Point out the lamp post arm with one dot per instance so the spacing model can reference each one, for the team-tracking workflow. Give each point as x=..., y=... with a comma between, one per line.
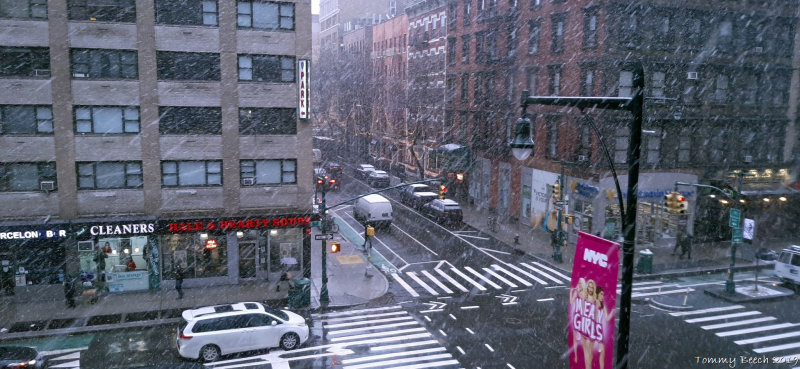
x=613, y=170
x=703, y=186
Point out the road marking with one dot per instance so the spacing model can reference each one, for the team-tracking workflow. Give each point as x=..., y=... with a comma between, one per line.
x=421, y=283
x=509, y=303
x=738, y=323
x=436, y=281
x=394, y=267
x=488, y=347
x=547, y=299
x=470, y=307
x=470, y=331
x=405, y=285
x=373, y=327
x=71, y=364
x=404, y=345
x=392, y=355
x=531, y=276
x=451, y=280
x=477, y=237
x=415, y=240
x=512, y=275
x=720, y=317
x=548, y=276
x=371, y=316
x=429, y=365
x=473, y=271
x=635, y=289
x=398, y=333
x=350, y=324
x=431, y=311
x=401, y=361
x=756, y=329
x=460, y=350
x=71, y=351
x=671, y=292
x=510, y=366
x=427, y=318
x=452, y=317
x=442, y=332
x=470, y=280
x=777, y=348
x=711, y=310
x=354, y=312
x=498, y=276
x=556, y=272
x=767, y=338
x=496, y=251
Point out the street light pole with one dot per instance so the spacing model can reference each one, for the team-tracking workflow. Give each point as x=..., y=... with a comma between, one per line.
x=323, y=291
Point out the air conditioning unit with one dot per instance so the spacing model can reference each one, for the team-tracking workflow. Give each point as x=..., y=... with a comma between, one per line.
x=582, y=158
x=47, y=186
x=758, y=49
x=79, y=75
x=41, y=72
x=248, y=181
x=691, y=75
x=748, y=159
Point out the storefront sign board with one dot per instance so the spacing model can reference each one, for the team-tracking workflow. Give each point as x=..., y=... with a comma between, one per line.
x=33, y=234
x=302, y=84
x=592, y=303
x=222, y=225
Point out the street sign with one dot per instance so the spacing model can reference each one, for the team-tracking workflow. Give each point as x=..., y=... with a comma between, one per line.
x=561, y=202
x=315, y=224
x=749, y=229
x=736, y=237
x=558, y=207
x=319, y=237
x=736, y=216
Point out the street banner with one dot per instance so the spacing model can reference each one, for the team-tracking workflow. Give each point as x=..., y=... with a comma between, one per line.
x=592, y=303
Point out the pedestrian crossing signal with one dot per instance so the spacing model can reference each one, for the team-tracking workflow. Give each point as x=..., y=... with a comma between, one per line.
x=335, y=247
x=442, y=191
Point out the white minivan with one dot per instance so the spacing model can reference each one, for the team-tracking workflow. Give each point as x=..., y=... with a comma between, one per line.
x=787, y=267
x=373, y=209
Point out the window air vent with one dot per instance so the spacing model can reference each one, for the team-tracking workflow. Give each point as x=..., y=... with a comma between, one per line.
x=248, y=181
x=691, y=75
x=47, y=186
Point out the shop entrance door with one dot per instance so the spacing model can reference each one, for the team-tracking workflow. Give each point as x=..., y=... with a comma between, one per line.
x=247, y=260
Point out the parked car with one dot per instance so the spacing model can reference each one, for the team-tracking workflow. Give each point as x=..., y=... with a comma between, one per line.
x=330, y=183
x=378, y=178
x=373, y=209
x=335, y=169
x=363, y=170
x=20, y=357
x=443, y=211
x=407, y=192
x=419, y=199
x=209, y=332
x=787, y=267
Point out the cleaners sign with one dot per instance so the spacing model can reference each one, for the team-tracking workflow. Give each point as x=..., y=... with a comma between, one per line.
x=592, y=303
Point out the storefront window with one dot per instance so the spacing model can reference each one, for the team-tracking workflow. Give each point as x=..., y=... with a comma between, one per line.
x=200, y=255
x=115, y=263
x=32, y=261
x=285, y=249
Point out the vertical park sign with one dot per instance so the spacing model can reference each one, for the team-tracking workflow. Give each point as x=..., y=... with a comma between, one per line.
x=303, y=100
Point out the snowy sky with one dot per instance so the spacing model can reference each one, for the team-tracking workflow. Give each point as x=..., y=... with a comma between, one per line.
x=314, y=6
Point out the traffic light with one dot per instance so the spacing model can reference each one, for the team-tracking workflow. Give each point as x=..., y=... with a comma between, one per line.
x=557, y=190
x=335, y=247
x=668, y=202
x=442, y=191
x=682, y=204
x=460, y=177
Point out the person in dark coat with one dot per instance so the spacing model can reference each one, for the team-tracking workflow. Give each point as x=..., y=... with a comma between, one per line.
x=686, y=246
x=69, y=291
x=179, y=281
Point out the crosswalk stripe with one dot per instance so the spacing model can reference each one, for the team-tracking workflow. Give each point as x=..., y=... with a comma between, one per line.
x=711, y=310
x=498, y=276
x=404, y=345
x=372, y=340
x=473, y=271
x=437, y=364
x=354, y=312
x=405, y=285
x=393, y=354
x=371, y=316
x=531, y=276
x=436, y=281
x=669, y=292
x=399, y=361
x=551, y=270
x=470, y=280
x=71, y=356
x=421, y=283
x=398, y=333
x=636, y=289
x=71, y=364
x=512, y=275
x=548, y=276
x=777, y=348
x=738, y=323
x=767, y=338
x=451, y=280
x=385, y=320
x=372, y=327
x=720, y=317
x=756, y=329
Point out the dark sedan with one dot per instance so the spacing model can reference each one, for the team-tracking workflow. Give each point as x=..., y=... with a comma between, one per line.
x=20, y=357
x=443, y=211
x=378, y=178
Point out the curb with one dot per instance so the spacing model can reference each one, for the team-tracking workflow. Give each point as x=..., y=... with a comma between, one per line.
x=664, y=306
x=689, y=272
x=87, y=329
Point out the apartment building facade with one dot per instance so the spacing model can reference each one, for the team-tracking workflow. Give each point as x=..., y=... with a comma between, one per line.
x=139, y=136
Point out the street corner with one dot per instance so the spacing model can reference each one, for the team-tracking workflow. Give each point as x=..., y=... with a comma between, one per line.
x=352, y=259
x=751, y=292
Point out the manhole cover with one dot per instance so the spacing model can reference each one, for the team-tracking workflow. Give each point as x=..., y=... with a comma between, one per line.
x=513, y=321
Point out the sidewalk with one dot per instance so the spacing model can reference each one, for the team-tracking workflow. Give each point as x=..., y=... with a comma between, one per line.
x=533, y=241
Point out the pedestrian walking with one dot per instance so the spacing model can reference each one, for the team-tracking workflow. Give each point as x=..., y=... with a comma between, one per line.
x=69, y=291
x=369, y=233
x=686, y=247
x=179, y=281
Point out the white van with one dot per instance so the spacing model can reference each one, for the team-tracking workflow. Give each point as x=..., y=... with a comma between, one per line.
x=373, y=209
x=787, y=267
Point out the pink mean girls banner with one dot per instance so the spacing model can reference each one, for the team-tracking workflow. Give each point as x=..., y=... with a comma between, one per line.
x=592, y=301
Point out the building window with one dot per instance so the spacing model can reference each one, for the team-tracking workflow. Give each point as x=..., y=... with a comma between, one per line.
x=512, y=42
x=628, y=34
x=477, y=88
x=451, y=51
x=26, y=176
x=590, y=29
x=491, y=45
x=25, y=120
x=191, y=173
x=99, y=63
x=107, y=174
x=725, y=40
x=653, y=147
x=106, y=119
x=587, y=82
x=465, y=87
x=557, y=45
x=23, y=9
x=657, y=83
x=183, y=120
x=552, y=137
x=510, y=85
x=265, y=15
x=721, y=91
x=779, y=91
x=620, y=145
x=555, y=80
x=749, y=89
x=266, y=68
x=453, y=11
x=188, y=251
x=465, y=41
x=24, y=62
x=625, y=84
x=103, y=10
x=480, y=55
x=467, y=12
x=188, y=66
x=267, y=121
x=534, y=30
x=692, y=31
x=532, y=81
x=684, y=146
x=187, y=12
x=536, y=4
x=269, y=172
